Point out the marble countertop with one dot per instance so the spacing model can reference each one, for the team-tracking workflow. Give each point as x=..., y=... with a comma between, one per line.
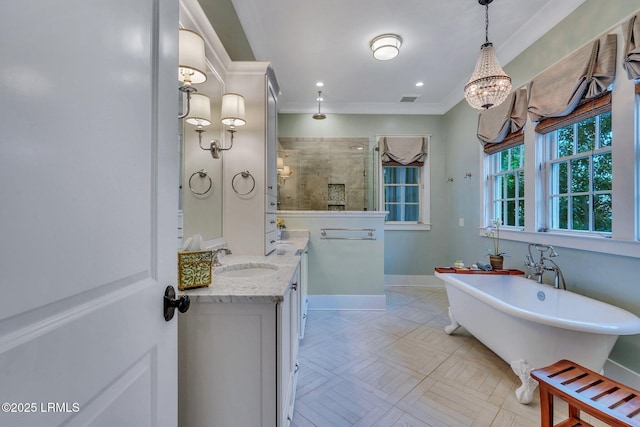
x=270, y=287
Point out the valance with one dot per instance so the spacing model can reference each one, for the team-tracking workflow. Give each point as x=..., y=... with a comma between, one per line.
x=403, y=150
x=585, y=74
x=495, y=124
x=631, y=62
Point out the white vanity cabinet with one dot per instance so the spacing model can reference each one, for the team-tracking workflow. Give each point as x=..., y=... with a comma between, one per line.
x=249, y=217
x=238, y=360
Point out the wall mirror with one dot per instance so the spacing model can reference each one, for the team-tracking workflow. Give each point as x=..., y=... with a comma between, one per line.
x=326, y=174
x=200, y=174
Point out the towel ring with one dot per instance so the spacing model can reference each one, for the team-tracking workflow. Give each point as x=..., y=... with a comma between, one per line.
x=244, y=174
x=202, y=174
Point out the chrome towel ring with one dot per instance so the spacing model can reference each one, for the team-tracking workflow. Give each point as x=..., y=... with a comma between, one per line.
x=244, y=174
x=202, y=173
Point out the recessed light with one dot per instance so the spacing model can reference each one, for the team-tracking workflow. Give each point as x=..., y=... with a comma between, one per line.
x=419, y=84
x=319, y=84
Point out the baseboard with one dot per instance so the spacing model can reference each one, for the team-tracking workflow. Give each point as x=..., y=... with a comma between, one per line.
x=623, y=375
x=427, y=280
x=347, y=302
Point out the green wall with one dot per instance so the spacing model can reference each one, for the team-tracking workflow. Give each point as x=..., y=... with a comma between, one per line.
x=406, y=252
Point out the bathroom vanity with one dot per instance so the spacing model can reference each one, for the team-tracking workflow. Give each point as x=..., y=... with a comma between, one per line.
x=239, y=341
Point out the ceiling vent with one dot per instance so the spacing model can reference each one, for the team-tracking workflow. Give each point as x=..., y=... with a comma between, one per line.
x=408, y=99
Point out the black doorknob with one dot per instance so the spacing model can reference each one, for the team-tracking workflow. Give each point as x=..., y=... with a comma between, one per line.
x=171, y=303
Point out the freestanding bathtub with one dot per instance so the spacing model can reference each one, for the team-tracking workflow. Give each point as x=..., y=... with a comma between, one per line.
x=531, y=325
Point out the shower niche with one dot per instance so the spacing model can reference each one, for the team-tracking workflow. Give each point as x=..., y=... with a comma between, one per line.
x=336, y=196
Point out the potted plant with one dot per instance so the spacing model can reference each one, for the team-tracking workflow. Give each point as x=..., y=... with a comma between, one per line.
x=496, y=258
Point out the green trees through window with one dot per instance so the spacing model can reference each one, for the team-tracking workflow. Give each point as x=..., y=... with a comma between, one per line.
x=508, y=186
x=580, y=179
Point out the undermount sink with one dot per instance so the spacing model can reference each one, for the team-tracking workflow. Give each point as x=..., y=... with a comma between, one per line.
x=246, y=270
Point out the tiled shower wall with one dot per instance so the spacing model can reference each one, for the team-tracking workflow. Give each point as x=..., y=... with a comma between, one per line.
x=319, y=164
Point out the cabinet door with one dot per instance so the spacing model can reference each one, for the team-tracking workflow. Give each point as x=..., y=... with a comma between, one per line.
x=284, y=359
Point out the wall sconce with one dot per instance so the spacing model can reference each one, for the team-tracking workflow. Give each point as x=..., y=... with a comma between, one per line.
x=233, y=115
x=386, y=46
x=191, y=64
x=284, y=173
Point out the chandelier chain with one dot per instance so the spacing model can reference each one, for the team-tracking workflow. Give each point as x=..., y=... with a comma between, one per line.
x=486, y=23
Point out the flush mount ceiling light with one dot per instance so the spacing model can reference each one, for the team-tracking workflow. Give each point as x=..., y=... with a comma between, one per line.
x=489, y=85
x=386, y=46
x=319, y=115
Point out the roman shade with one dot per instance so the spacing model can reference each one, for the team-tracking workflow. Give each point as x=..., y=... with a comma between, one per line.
x=504, y=121
x=584, y=74
x=403, y=150
x=585, y=110
x=631, y=62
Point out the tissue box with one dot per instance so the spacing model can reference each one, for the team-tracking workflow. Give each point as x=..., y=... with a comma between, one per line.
x=194, y=269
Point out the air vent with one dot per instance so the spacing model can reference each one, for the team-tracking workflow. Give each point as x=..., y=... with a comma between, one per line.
x=408, y=99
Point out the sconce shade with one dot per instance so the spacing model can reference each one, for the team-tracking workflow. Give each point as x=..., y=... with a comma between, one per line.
x=386, y=46
x=280, y=164
x=200, y=111
x=286, y=171
x=191, y=58
x=233, y=109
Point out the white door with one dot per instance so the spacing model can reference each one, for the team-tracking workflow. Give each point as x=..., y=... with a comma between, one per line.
x=88, y=200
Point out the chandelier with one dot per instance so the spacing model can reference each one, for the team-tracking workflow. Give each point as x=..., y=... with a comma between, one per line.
x=489, y=85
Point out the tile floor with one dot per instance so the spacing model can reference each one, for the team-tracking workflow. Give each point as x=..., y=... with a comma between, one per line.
x=398, y=368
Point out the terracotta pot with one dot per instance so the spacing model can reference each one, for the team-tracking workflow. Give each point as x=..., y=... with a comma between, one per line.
x=496, y=261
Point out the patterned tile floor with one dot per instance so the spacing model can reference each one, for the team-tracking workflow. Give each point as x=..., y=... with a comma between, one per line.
x=398, y=368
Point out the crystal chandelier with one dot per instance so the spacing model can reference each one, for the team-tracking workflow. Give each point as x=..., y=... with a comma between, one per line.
x=489, y=85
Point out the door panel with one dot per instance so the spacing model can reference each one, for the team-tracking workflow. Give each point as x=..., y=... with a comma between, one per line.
x=88, y=173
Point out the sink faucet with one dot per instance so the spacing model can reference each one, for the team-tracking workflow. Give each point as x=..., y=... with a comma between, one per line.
x=216, y=262
x=542, y=265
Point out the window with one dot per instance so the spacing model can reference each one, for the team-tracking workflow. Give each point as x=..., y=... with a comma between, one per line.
x=580, y=176
x=507, y=184
x=402, y=193
x=403, y=184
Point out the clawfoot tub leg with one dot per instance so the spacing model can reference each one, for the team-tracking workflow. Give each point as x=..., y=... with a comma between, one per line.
x=449, y=329
x=524, y=393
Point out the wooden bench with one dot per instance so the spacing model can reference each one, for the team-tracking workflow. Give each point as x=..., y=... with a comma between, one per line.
x=585, y=390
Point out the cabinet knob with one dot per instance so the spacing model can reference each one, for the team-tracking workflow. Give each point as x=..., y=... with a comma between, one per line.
x=294, y=286
x=272, y=241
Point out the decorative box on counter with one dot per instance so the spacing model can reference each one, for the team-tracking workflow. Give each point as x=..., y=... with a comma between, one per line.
x=194, y=269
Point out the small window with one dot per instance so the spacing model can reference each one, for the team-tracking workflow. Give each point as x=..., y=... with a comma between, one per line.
x=402, y=193
x=507, y=186
x=580, y=176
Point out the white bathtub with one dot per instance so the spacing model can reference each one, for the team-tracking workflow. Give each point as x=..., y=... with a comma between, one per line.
x=530, y=325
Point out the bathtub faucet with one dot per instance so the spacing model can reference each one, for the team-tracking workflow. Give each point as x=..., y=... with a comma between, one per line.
x=542, y=265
